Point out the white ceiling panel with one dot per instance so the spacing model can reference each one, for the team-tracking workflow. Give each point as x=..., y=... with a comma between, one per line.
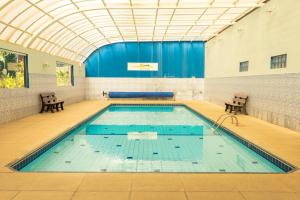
x=75, y=28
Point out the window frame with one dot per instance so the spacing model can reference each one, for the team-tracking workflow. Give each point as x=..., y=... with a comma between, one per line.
x=71, y=71
x=243, y=66
x=26, y=67
x=278, y=61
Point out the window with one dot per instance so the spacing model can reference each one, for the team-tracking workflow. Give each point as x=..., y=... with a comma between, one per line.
x=64, y=74
x=244, y=66
x=13, y=69
x=278, y=61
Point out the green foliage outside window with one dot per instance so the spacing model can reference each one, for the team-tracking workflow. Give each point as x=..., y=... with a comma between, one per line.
x=11, y=70
x=63, y=74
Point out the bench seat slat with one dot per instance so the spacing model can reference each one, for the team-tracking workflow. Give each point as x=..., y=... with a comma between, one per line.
x=49, y=101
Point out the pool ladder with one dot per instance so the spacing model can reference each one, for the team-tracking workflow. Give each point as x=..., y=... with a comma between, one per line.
x=222, y=118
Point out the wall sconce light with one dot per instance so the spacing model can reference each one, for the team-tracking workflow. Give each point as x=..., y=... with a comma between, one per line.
x=45, y=65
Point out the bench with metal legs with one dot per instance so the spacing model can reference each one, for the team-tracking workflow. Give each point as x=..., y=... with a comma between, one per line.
x=50, y=102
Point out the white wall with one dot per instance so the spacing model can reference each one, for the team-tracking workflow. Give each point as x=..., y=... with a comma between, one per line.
x=184, y=88
x=273, y=29
x=18, y=103
x=274, y=94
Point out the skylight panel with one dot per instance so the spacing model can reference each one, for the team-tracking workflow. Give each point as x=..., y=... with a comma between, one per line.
x=117, y=3
x=44, y=48
x=72, y=18
x=222, y=22
x=247, y=2
x=144, y=12
x=41, y=44
x=97, y=44
x=15, y=36
x=144, y=3
x=3, y=2
x=33, y=1
x=125, y=22
x=95, y=38
x=215, y=11
x=57, y=23
x=198, y=28
x=53, y=28
x=81, y=26
x=209, y=17
x=55, y=50
x=48, y=6
x=87, y=5
x=97, y=13
x=40, y=23
x=229, y=16
x=190, y=18
x=22, y=38
x=191, y=11
x=181, y=22
x=62, y=39
x=168, y=3
x=165, y=12
x=163, y=17
x=237, y=10
x=158, y=38
x=81, y=29
x=73, y=43
x=2, y=26
x=121, y=12
x=38, y=44
x=225, y=3
x=63, y=11
x=25, y=19
x=6, y=14
x=205, y=22
x=194, y=3
x=88, y=50
x=7, y=33
x=64, y=33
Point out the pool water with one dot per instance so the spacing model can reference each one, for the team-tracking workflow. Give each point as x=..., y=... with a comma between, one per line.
x=128, y=138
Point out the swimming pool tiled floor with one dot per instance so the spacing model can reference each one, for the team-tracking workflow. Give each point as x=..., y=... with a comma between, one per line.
x=20, y=137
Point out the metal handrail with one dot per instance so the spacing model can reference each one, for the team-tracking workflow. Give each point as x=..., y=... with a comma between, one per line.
x=216, y=122
x=227, y=115
x=232, y=117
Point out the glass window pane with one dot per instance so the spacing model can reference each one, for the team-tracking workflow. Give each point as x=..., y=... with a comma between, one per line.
x=13, y=69
x=64, y=74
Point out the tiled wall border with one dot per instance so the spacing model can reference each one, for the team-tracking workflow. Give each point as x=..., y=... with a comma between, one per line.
x=284, y=165
x=274, y=98
x=183, y=88
x=22, y=102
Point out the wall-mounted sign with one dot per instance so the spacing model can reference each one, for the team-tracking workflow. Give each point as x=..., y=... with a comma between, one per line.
x=142, y=67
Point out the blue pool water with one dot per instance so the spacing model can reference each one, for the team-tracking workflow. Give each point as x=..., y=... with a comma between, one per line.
x=127, y=138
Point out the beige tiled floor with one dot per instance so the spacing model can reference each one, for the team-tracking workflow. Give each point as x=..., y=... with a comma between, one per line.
x=20, y=137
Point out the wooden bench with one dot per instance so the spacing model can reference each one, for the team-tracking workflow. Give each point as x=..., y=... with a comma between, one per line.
x=238, y=104
x=50, y=102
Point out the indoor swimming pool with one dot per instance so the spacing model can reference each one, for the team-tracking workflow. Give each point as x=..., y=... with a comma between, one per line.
x=150, y=138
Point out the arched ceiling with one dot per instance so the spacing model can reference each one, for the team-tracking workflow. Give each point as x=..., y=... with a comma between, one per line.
x=75, y=28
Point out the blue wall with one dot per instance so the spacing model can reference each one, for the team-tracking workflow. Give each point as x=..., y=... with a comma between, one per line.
x=175, y=59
